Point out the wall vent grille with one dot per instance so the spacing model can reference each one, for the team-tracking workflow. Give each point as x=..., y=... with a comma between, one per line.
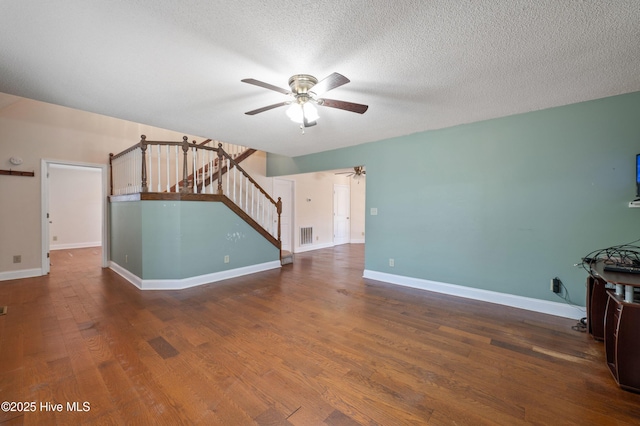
x=306, y=235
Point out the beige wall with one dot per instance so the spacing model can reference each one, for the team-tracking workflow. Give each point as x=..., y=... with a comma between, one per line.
x=34, y=131
x=314, y=207
x=75, y=207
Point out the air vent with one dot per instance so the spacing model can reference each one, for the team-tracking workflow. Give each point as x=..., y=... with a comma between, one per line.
x=306, y=235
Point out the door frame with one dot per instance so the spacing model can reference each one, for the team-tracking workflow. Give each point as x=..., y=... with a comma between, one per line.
x=44, y=206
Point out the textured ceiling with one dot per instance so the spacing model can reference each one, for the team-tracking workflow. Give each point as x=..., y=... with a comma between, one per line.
x=418, y=64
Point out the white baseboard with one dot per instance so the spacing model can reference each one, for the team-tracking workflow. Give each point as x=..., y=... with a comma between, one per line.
x=178, y=284
x=69, y=246
x=23, y=273
x=530, y=304
x=124, y=273
x=312, y=247
x=357, y=241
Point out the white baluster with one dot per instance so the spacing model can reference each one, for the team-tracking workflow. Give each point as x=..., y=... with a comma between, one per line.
x=150, y=167
x=177, y=168
x=159, y=173
x=239, y=185
x=133, y=178
x=203, y=174
x=194, y=154
x=235, y=170
x=246, y=193
x=253, y=198
x=228, y=177
x=168, y=173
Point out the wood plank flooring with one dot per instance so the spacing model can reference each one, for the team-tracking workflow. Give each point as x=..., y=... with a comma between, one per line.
x=310, y=344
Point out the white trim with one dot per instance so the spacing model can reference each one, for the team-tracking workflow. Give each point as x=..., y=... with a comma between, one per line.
x=179, y=284
x=357, y=241
x=74, y=245
x=312, y=247
x=530, y=304
x=23, y=273
x=44, y=205
x=129, y=276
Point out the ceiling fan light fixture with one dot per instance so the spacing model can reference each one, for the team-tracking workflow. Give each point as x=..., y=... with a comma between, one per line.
x=297, y=112
x=302, y=109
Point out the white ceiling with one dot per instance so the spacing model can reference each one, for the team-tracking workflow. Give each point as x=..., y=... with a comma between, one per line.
x=418, y=64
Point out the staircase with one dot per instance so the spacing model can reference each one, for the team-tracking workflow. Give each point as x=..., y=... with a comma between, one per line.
x=209, y=169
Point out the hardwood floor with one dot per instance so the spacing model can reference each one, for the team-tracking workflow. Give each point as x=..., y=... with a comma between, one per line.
x=310, y=344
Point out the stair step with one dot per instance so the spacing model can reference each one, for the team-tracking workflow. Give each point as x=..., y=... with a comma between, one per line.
x=286, y=258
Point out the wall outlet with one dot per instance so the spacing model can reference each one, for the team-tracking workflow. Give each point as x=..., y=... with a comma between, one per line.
x=17, y=258
x=374, y=211
x=555, y=285
x=126, y=258
x=226, y=259
x=392, y=263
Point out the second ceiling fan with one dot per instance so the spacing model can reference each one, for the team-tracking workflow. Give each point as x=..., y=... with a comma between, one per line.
x=305, y=90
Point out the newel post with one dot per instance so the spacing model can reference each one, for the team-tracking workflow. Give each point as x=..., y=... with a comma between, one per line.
x=111, y=173
x=143, y=149
x=220, y=169
x=185, y=165
x=279, y=210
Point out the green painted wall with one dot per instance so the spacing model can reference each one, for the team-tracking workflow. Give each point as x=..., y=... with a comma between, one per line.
x=503, y=205
x=125, y=243
x=182, y=239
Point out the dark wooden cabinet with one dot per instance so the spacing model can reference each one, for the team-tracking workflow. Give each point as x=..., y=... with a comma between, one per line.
x=596, y=305
x=622, y=341
x=621, y=321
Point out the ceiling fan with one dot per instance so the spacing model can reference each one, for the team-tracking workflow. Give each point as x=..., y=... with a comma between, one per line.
x=357, y=173
x=305, y=90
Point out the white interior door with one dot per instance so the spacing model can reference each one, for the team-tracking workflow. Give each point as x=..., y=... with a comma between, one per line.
x=283, y=188
x=341, y=212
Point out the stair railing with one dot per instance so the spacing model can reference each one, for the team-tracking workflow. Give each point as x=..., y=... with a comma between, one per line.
x=247, y=194
x=191, y=168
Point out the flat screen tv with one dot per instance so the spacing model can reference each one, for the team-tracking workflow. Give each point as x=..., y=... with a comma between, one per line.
x=638, y=176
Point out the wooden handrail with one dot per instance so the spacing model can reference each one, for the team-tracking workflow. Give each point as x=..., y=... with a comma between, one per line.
x=136, y=174
x=236, y=165
x=126, y=151
x=139, y=162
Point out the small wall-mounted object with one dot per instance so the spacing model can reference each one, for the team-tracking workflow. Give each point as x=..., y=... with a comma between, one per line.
x=16, y=173
x=634, y=203
x=16, y=161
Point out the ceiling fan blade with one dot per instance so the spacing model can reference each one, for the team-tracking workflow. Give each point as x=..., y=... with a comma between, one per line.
x=348, y=106
x=267, y=108
x=330, y=82
x=266, y=85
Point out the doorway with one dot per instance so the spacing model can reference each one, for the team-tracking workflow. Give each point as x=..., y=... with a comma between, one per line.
x=51, y=168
